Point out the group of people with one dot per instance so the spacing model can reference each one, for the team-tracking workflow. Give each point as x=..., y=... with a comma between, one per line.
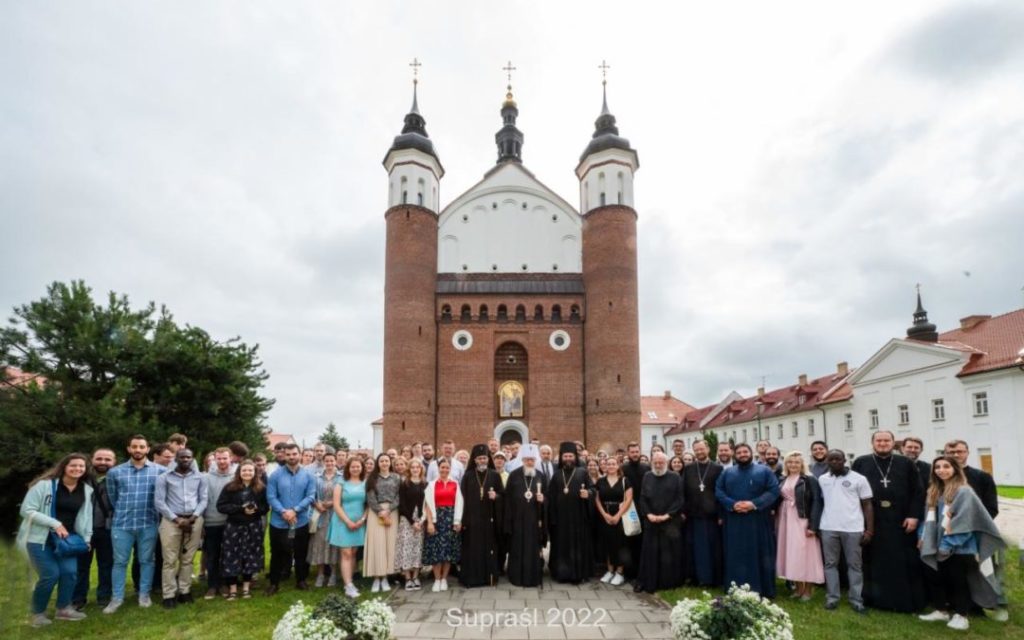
x=902, y=528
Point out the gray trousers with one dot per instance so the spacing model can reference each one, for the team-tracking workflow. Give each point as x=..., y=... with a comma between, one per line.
x=832, y=542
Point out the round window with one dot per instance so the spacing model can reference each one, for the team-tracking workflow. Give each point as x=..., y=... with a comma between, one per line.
x=559, y=340
x=462, y=340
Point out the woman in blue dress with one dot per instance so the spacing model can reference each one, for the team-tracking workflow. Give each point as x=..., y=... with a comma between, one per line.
x=348, y=522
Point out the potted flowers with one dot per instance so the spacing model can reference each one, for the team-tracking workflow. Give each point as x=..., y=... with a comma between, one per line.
x=337, y=618
x=741, y=614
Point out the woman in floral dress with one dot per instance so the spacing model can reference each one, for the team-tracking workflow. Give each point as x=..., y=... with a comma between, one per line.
x=244, y=501
x=409, y=550
x=321, y=553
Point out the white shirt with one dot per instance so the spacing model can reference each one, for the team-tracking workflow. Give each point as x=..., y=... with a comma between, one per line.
x=842, y=495
x=455, y=474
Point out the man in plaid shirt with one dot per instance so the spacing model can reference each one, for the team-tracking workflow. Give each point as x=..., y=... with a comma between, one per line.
x=130, y=487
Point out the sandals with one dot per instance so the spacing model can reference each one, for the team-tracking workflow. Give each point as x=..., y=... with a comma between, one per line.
x=232, y=596
x=246, y=594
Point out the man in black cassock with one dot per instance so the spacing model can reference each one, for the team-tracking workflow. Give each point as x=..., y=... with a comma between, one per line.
x=661, y=507
x=702, y=531
x=525, y=494
x=912, y=448
x=892, y=567
x=482, y=494
x=568, y=498
x=980, y=481
x=634, y=471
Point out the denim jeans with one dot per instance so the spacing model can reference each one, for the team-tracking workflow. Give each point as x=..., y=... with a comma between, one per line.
x=104, y=564
x=53, y=571
x=123, y=540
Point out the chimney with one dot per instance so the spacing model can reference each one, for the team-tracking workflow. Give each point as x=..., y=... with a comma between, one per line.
x=760, y=392
x=972, y=321
x=842, y=369
x=803, y=380
x=667, y=395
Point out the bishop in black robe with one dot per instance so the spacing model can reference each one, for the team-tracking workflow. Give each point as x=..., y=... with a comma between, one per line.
x=525, y=494
x=482, y=496
x=661, y=507
x=702, y=532
x=569, y=493
x=892, y=567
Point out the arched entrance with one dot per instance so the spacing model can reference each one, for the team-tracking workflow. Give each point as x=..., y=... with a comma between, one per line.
x=509, y=431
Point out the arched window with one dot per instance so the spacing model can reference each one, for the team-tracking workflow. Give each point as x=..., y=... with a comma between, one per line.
x=538, y=313
x=600, y=187
x=419, y=198
x=483, y=313
x=446, y=313
x=602, y=199
x=420, y=188
x=622, y=182
x=520, y=313
x=466, y=314
x=574, y=313
x=502, y=313
x=405, y=190
x=556, y=313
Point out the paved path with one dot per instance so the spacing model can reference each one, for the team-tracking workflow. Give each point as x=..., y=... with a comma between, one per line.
x=598, y=611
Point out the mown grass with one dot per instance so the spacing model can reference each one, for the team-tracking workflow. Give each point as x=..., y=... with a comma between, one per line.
x=1008, y=491
x=254, y=618
x=812, y=622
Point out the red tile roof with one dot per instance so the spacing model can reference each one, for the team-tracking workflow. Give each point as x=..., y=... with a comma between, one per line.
x=666, y=410
x=994, y=343
x=15, y=377
x=692, y=420
x=274, y=438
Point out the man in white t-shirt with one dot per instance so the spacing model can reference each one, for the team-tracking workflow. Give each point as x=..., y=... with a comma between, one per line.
x=847, y=522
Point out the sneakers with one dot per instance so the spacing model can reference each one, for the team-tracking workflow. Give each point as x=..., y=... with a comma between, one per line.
x=417, y=586
x=1000, y=615
x=332, y=581
x=385, y=585
x=935, y=616
x=409, y=586
x=113, y=606
x=210, y=594
x=319, y=581
x=444, y=585
x=959, y=623
x=376, y=586
x=69, y=613
x=436, y=587
x=617, y=579
x=145, y=601
x=607, y=577
x=351, y=591
x=831, y=606
x=39, y=620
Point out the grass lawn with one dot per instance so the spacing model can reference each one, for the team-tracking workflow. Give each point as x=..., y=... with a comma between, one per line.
x=812, y=622
x=255, y=618
x=1010, y=492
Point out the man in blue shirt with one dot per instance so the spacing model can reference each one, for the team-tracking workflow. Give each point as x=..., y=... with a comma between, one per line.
x=130, y=487
x=290, y=493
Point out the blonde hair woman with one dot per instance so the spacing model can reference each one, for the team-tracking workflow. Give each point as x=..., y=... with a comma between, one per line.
x=798, y=516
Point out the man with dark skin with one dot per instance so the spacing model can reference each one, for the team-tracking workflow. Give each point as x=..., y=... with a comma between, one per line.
x=180, y=497
x=843, y=531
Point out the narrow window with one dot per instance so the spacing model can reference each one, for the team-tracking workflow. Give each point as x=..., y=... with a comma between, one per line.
x=873, y=416
x=938, y=409
x=520, y=313
x=538, y=313
x=502, y=313
x=556, y=313
x=904, y=412
x=465, y=314
x=981, y=403
x=446, y=313
x=483, y=313
x=574, y=313
x=849, y=422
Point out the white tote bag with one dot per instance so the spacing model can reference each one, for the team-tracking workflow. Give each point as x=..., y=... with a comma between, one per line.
x=631, y=521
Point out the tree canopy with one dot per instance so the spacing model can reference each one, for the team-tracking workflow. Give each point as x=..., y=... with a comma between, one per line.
x=106, y=371
x=331, y=437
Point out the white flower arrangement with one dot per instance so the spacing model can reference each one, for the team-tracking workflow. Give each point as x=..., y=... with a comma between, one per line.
x=739, y=615
x=374, y=620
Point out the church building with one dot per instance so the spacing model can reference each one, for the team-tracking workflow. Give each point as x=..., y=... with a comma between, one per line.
x=510, y=313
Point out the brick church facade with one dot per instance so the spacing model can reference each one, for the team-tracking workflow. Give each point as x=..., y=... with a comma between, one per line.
x=510, y=313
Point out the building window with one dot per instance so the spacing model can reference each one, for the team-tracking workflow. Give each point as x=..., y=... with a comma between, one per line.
x=796, y=430
x=520, y=313
x=574, y=313
x=981, y=403
x=801, y=399
x=446, y=313
x=538, y=313
x=781, y=433
x=654, y=439
x=465, y=315
x=873, y=415
x=556, y=313
x=653, y=415
x=849, y=422
x=502, y=313
x=938, y=409
x=744, y=435
x=904, y=411
x=733, y=436
x=419, y=199
x=810, y=426
x=483, y=313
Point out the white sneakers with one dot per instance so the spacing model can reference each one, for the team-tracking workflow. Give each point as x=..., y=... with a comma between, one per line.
x=444, y=585
x=959, y=623
x=319, y=580
x=385, y=585
x=606, y=578
x=436, y=587
x=145, y=601
x=376, y=586
x=69, y=613
x=113, y=606
x=40, y=620
x=935, y=616
x=351, y=591
x=333, y=580
x=416, y=584
x=617, y=580
x=410, y=585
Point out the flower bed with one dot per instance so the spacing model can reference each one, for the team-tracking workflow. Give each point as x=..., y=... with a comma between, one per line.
x=336, y=618
x=741, y=614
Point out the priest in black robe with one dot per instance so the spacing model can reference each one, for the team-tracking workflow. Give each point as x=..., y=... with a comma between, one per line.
x=702, y=531
x=634, y=471
x=892, y=567
x=912, y=447
x=569, y=493
x=525, y=494
x=661, y=507
x=482, y=497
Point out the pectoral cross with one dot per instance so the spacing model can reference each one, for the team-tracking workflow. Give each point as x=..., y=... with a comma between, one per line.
x=885, y=482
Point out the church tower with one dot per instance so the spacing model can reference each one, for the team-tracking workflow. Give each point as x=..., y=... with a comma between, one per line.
x=611, y=330
x=410, y=276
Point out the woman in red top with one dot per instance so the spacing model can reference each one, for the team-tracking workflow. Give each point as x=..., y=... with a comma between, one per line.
x=442, y=512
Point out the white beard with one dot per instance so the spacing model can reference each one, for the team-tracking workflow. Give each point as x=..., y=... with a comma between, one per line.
x=528, y=472
x=659, y=473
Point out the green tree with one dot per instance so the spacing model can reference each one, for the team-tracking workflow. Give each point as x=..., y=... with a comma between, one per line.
x=331, y=437
x=107, y=371
x=711, y=438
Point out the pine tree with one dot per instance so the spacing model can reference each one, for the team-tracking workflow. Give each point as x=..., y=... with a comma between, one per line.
x=331, y=437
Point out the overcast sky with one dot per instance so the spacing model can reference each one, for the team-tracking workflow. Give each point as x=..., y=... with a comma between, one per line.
x=803, y=165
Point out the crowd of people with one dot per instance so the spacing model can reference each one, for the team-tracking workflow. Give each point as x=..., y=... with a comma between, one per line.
x=897, y=531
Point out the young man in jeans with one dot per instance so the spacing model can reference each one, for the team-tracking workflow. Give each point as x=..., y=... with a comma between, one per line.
x=847, y=522
x=290, y=492
x=130, y=488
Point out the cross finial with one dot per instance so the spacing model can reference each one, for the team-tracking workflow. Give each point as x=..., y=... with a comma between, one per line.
x=604, y=67
x=508, y=68
x=918, y=287
x=415, y=64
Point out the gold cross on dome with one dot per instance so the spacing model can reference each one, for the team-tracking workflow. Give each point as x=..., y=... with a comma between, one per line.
x=604, y=67
x=415, y=64
x=509, y=69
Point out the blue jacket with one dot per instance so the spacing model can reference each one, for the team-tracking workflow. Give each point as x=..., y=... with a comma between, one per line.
x=287, y=490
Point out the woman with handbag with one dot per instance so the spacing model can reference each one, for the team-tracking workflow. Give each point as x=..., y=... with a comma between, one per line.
x=244, y=502
x=614, y=499
x=321, y=553
x=57, y=522
x=382, y=527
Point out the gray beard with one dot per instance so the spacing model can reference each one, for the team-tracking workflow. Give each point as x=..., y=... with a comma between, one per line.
x=528, y=472
x=481, y=467
x=659, y=473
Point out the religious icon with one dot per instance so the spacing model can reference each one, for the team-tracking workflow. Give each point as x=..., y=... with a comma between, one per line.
x=510, y=399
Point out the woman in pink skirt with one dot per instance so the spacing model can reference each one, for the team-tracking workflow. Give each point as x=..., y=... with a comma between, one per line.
x=798, y=515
